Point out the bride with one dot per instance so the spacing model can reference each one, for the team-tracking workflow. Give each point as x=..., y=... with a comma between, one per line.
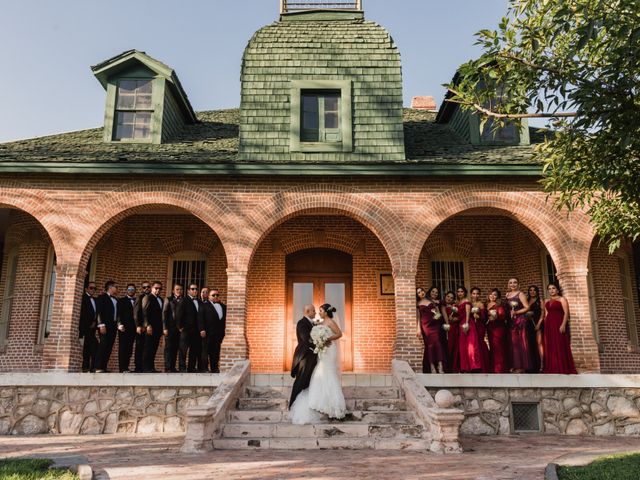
x=324, y=395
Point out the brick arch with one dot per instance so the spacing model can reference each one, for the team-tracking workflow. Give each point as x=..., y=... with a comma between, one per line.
x=337, y=242
x=38, y=204
x=567, y=238
x=329, y=200
x=140, y=197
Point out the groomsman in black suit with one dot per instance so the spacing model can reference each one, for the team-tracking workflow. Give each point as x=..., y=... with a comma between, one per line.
x=141, y=331
x=187, y=321
x=107, y=306
x=126, y=328
x=87, y=327
x=152, y=314
x=212, y=322
x=171, y=332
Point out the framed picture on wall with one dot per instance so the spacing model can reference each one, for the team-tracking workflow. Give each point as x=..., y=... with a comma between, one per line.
x=386, y=287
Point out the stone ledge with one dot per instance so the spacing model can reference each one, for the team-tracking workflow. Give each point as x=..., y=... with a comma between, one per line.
x=63, y=379
x=481, y=380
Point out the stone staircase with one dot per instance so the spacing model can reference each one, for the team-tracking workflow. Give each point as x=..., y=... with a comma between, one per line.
x=378, y=418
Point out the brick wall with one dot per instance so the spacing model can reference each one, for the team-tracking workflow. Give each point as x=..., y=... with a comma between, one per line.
x=616, y=355
x=22, y=352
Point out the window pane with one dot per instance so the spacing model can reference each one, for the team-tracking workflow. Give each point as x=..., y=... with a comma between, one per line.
x=144, y=87
x=334, y=294
x=331, y=120
x=126, y=101
x=310, y=109
x=127, y=87
x=302, y=295
x=143, y=118
x=143, y=101
x=331, y=104
x=124, y=118
x=124, y=131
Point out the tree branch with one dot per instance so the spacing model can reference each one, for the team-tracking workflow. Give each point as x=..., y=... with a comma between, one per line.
x=493, y=114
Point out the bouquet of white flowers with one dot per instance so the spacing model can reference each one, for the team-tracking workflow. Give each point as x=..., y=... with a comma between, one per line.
x=475, y=310
x=465, y=327
x=436, y=314
x=446, y=327
x=513, y=304
x=454, y=309
x=493, y=313
x=320, y=335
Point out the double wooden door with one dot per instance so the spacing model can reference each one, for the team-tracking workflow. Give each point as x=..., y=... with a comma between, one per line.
x=318, y=288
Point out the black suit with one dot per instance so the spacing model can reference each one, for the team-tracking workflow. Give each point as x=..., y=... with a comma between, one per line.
x=125, y=318
x=140, y=337
x=172, y=340
x=190, y=340
x=152, y=315
x=210, y=322
x=304, y=360
x=87, y=330
x=106, y=315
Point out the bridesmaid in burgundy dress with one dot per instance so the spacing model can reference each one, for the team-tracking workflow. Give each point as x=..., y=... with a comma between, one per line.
x=534, y=326
x=557, y=339
x=429, y=327
x=497, y=331
x=480, y=319
x=518, y=305
x=452, y=326
x=434, y=295
x=470, y=354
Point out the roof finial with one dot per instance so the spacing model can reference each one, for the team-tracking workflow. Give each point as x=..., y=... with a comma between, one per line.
x=290, y=6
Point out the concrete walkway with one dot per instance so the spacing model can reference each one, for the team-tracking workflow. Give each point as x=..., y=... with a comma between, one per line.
x=139, y=457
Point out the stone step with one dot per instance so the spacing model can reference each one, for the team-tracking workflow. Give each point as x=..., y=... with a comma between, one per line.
x=328, y=443
x=376, y=404
x=245, y=403
x=349, y=392
x=323, y=430
x=276, y=416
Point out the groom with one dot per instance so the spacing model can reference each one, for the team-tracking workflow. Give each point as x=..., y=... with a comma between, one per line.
x=304, y=360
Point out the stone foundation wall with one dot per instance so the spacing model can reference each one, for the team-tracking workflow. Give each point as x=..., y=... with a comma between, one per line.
x=567, y=411
x=96, y=410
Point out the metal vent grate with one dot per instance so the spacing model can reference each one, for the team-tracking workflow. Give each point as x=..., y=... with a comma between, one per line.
x=526, y=417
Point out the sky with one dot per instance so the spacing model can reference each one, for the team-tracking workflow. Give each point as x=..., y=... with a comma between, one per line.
x=48, y=46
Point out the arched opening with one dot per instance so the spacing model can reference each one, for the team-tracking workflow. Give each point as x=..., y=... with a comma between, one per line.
x=154, y=243
x=484, y=248
x=27, y=283
x=614, y=297
x=316, y=258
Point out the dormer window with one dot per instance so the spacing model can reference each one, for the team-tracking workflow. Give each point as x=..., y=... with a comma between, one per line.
x=145, y=100
x=320, y=116
x=321, y=119
x=133, y=110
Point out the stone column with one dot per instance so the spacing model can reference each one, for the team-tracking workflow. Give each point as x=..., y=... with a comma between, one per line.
x=62, y=350
x=235, y=347
x=583, y=343
x=407, y=346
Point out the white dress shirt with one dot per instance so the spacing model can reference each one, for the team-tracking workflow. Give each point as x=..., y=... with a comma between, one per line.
x=218, y=308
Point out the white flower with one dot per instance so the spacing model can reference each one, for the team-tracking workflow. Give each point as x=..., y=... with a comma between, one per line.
x=454, y=309
x=493, y=313
x=446, y=327
x=320, y=335
x=437, y=315
x=475, y=310
x=465, y=327
x=513, y=304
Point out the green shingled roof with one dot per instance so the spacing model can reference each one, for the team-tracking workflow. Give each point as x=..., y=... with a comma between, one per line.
x=215, y=140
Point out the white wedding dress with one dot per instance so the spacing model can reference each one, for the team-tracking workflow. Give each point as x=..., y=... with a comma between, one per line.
x=324, y=395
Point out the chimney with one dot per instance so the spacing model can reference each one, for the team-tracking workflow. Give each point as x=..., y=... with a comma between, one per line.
x=424, y=103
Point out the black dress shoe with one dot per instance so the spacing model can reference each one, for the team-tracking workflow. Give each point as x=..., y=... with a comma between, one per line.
x=171, y=370
x=152, y=371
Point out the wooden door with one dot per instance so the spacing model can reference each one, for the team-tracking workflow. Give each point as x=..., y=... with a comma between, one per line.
x=319, y=287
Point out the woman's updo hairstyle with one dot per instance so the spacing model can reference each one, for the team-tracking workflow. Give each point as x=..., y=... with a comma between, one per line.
x=328, y=309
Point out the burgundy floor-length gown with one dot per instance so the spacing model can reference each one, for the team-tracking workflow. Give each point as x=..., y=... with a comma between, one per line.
x=481, y=326
x=520, y=348
x=557, y=346
x=470, y=350
x=434, y=350
x=498, y=342
x=453, y=340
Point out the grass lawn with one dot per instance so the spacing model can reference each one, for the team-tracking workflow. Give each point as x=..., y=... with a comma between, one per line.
x=615, y=467
x=32, y=469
